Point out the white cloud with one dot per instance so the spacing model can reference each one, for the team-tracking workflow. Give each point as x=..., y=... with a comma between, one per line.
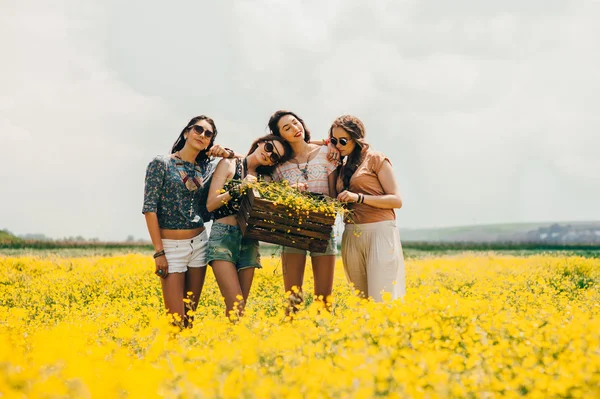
x=73, y=128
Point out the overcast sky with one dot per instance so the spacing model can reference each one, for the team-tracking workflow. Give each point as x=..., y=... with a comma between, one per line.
x=488, y=110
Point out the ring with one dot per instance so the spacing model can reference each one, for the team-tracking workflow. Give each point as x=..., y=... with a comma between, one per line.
x=159, y=272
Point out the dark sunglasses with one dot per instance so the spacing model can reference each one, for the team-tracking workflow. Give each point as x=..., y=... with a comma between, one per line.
x=343, y=141
x=200, y=130
x=270, y=147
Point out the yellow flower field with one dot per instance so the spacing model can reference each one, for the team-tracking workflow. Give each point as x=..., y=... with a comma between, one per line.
x=471, y=326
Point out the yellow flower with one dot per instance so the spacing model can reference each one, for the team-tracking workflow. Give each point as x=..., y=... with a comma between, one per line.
x=469, y=326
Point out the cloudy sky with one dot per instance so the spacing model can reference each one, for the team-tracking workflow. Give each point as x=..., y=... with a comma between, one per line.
x=488, y=110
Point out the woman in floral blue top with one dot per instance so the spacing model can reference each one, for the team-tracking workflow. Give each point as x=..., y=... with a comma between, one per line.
x=174, y=204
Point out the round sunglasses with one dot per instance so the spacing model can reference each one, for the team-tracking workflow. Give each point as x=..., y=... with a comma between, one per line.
x=343, y=141
x=270, y=147
x=200, y=130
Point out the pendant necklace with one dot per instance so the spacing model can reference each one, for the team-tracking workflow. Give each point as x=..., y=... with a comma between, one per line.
x=190, y=182
x=304, y=171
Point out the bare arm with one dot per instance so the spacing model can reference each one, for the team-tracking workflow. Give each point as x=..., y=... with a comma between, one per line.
x=222, y=152
x=216, y=199
x=333, y=154
x=154, y=230
x=390, y=200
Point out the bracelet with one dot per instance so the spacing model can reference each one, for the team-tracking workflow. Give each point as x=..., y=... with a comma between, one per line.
x=230, y=152
x=361, y=198
x=326, y=141
x=159, y=254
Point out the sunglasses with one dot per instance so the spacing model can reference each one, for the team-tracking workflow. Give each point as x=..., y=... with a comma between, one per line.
x=343, y=141
x=200, y=130
x=270, y=147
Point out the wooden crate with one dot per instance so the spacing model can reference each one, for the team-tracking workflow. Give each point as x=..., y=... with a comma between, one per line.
x=262, y=220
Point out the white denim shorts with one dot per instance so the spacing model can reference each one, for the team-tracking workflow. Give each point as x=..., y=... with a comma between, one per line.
x=182, y=254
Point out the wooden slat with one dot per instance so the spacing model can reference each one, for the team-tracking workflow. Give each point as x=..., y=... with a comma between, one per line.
x=283, y=229
x=288, y=240
x=243, y=215
x=269, y=206
x=290, y=221
x=258, y=203
x=260, y=219
x=251, y=195
x=261, y=234
x=318, y=246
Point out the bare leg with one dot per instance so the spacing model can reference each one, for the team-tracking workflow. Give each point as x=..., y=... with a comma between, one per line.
x=293, y=276
x=172, y=287
x=229, y=284
x=194, y=282
x=323, y=269
x=245, y=277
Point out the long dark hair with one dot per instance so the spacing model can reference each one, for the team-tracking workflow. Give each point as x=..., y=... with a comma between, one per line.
x=356, y=130
x=274, y=120
x=287, y=152
x=201, y=159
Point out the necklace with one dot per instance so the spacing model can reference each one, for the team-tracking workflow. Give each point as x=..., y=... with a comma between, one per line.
x=304, y=170
x=191, y=182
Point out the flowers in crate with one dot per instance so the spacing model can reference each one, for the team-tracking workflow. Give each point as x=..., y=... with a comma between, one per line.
x=281, y=193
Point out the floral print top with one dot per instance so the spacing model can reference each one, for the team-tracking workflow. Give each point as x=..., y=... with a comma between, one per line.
x=166, y=195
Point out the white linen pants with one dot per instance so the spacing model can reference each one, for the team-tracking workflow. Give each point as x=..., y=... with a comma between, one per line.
x=373, y=259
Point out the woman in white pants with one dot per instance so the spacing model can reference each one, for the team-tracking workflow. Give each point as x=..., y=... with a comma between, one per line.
x=371, y=249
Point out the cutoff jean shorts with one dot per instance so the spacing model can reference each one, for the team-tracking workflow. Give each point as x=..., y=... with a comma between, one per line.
x=226, y=243
x=182, y=254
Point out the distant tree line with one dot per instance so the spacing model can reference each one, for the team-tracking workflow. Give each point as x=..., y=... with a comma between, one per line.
x=40, y=241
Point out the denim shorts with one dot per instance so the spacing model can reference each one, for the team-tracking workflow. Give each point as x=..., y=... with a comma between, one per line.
x=330, y=250
x=226, y=243
x=182, y=254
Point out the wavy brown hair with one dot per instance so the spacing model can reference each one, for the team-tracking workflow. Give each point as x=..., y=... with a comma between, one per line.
x=274, y=120
x=201, y=159
x=356, y=130
x=267, y=170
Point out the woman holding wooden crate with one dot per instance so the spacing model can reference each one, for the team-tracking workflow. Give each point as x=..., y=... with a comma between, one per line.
x=371, y=249
x=310, y=169
x=174, y=208
x=232, y=257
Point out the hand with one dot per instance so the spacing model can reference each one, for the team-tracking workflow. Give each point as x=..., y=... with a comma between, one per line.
x=217, y=151
x=333, y=155
x=163, y=265
x=300, y=186
x=347, y=196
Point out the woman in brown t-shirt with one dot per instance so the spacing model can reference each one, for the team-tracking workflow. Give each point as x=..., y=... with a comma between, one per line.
x=371, y=249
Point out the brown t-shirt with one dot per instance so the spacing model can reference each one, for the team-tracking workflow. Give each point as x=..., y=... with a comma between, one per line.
x=365, y=180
